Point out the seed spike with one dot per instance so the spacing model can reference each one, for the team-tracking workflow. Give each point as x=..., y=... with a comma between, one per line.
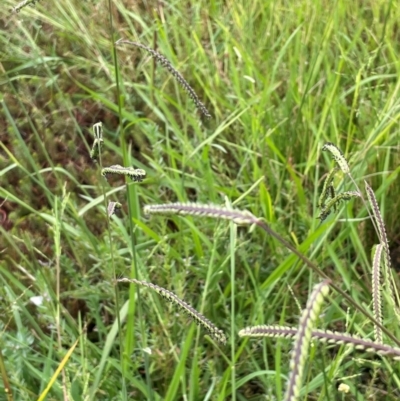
x=303, y=338
x=337, y=156
x=197, y=209
x=324, y=336
x=213, y=330
x=175, y=73
x=327, y=190
x=332, y=203
x=137, y=174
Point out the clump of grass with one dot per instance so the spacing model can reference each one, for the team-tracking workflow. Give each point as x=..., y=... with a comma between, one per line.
x=174, y=72
x=214, y=331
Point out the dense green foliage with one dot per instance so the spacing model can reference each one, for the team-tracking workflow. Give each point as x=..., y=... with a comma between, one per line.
x=280, y=79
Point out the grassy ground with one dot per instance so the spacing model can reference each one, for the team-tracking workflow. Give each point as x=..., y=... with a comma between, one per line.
x=280, y=79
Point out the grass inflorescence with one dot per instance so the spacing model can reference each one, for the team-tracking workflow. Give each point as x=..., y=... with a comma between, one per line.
x=200, y=319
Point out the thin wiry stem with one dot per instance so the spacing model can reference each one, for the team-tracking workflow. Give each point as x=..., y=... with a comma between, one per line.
x=318, y=271
x=98, y=142
x=325, y=336
x=303, y=338
x=200, y=319
x=376, y=292
x=175, y=73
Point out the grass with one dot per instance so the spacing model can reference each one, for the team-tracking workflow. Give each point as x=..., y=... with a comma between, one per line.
x=279, y=82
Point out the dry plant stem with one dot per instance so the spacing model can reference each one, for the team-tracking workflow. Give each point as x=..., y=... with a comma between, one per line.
x=303, y=338
x=318, y=271
x=175, y=73
x=376, y=292
x=324, y=336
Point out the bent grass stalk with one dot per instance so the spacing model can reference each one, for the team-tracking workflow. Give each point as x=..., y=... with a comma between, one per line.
x=324, y=336
x=175, y=73
x=217, y=334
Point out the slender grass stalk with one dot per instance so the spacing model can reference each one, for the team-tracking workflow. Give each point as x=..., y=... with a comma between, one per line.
x=303, y=338
x=58, y=215
x=175, y=73
x=233, y=229
x=98, y=142
x=133, y=213
x=324, y=336
x=117, y=85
